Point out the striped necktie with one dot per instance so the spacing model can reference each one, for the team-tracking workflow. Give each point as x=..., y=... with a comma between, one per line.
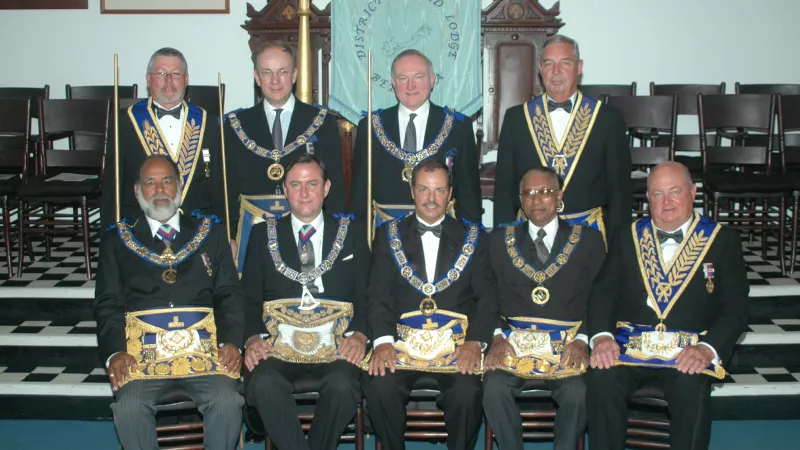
x=167, y=234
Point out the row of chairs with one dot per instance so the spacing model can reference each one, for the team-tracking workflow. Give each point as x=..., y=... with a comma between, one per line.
x=648, y=427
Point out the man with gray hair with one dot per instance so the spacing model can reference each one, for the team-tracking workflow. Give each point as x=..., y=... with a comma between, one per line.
x=579, y=137
x=170, y=314
x=407, y=134
x=165, y=124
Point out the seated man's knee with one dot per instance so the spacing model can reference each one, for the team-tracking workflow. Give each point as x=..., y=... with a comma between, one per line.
x=695, y=387
x=573, y=393
x=128, y=404
x=467, y=390
x=494, y=385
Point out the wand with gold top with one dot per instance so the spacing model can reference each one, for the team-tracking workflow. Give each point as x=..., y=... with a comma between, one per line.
x=222, y=155
x=116, y=138
x=369, y=226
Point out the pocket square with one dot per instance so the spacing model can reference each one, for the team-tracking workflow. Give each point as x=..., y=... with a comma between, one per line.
x=347, y=257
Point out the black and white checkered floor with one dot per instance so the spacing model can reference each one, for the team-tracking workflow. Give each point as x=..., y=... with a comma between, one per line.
x=67, y=267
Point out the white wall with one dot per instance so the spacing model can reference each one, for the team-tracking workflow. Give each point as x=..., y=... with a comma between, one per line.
x=668, y=41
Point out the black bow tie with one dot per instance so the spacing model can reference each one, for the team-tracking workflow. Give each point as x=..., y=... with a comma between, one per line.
x=663, y=236
x=161, y=112
x=566, y=106
x=436, y=230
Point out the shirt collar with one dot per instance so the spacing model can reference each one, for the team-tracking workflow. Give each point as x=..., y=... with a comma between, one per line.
x=316, y=223
x=684, y=228
x=173, y=221
x=430, y=224
x=423, y=110
x=179, y=105
x=551, y=228
x=287, y=107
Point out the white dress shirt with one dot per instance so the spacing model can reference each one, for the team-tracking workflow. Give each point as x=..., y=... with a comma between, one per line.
x=316, y=241
x=286, y=116
x=172, y=129
x=420, y=122
x=668, y=250
x=549, y=238
x=560, y=118
x=430, y=250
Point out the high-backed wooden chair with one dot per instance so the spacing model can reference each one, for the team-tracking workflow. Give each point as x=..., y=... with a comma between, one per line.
x=15, y=133
x=100, y=92
x=59, y=117
x=602, y=92
x=206, y=97
x=737, y=180
x=650, y=120
x=34, y=94
x=652, y=430
x=687, y=146
x=789, y=138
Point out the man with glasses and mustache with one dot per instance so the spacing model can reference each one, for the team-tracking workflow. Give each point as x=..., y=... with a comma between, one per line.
x=433, y=307
x=579, y=137
x=407, y=134
x=170, y=313
x=263, y=140
x=168, y=125
x=545, y=270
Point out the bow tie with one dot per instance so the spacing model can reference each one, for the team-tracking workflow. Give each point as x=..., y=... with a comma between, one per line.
x=566, y=106
x=436, y=230
x=663, y=236
x=161, y=112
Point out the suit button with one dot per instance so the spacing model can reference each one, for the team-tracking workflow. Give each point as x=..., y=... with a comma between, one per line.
x=171, y=305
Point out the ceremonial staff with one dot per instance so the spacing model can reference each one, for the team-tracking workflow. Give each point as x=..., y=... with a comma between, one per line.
x=369, y=227
x=116, y=137
x=222, y=153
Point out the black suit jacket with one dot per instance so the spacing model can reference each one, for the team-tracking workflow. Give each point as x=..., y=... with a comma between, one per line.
x=346, y=281
x=569, y=288
x=205, y=194
x=247, y=172
x=473, y=294
x=601, y=178
x=126, y=282
x=620, y=294
x=388, y=186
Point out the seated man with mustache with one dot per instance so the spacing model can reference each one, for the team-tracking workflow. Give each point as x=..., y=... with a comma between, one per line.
x=170, y=313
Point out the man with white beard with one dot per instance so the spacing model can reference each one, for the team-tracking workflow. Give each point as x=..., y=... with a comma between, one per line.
x=170, y=313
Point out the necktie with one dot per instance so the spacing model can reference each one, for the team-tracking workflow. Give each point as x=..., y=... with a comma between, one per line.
x=277, y=131
x=161, y=112
x=306, y=250
x=167, y=234
x=436, y=229
x=410, y=143
x=541, y=249
x=663, y=236
x=566, y=106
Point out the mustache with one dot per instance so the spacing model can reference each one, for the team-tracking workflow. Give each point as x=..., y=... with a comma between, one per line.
x=430, y=204
x=160, y=197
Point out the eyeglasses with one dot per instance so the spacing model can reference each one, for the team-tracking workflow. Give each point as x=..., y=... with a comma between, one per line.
x=164, y=75
x=546, y=193
x=282, y=73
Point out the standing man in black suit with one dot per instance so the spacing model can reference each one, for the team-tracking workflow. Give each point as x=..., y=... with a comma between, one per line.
x=306, y=284
x=433, y=307
x=170, y=312
x=671, y=303
x=165, y=124
x=411, y=132
x=260, y=147
x=545, y=269
x=582, y=139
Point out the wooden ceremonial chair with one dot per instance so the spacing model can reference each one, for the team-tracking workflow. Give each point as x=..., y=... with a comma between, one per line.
x=651, y=431
x=649, y=120
x=306, y=394
x=538, y=415
x=34, y=94
x=15, y=133
x=206, y=97
x=789, y=121
x=423, y=422
x=603, y=92
x=100, y=92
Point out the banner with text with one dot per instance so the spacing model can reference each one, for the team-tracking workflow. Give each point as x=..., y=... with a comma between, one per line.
x=446, y=31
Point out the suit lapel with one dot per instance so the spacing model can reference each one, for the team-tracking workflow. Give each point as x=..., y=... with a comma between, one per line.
x=561, y=239
x=287, y=243
x=188, y=229
x=391, y=124
x=260, y=131
x=141, y=229
x=298, y=122
x=329, y=235
x=435, y=119
x=412, y=244
x=452, y=236
x=527, y=247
